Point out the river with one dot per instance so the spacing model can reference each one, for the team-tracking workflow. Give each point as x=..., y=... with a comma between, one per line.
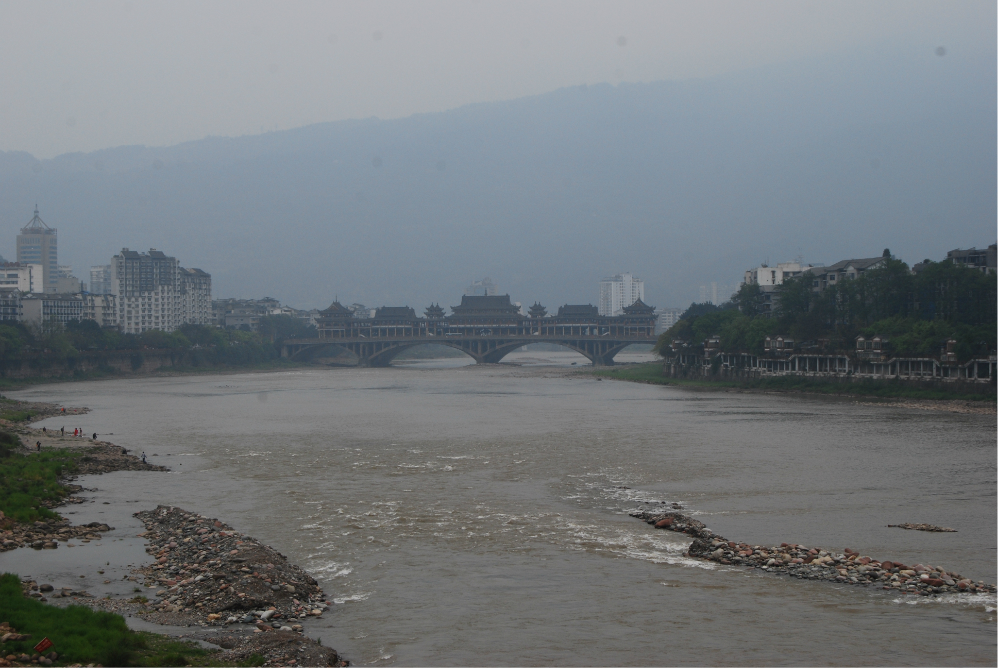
x=464, y=515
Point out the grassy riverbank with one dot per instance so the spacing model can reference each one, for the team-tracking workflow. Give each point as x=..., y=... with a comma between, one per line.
x=30, y=483
x=82, y=635
x=651, y=373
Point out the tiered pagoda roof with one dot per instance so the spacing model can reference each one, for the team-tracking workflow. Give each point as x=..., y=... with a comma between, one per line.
x=434, y=312
x=537, y=311
x=639, y=308
x=336, y=310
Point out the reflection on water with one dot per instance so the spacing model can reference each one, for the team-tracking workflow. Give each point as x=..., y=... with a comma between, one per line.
x=477, y=515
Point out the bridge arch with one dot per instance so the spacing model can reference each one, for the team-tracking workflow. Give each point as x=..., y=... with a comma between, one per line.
x=489, y=350
x=385, y=357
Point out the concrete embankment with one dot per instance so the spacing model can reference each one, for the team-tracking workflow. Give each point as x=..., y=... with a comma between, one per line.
x=812, y=563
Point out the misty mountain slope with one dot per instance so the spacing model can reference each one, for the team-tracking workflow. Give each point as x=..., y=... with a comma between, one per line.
x=679, y=182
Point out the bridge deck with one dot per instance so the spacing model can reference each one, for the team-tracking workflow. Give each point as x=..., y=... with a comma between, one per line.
x=484, y=348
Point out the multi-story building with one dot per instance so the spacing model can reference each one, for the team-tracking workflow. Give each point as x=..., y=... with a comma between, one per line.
x=65, y=282
x=195, y=296
x=768, y=278
x=715, y=293
x=765, y=276
x=38, y=244
x=618, y=292
x=155, y=292
x=103, y=309
x=482, y=288
x=10, y=306
x=825, y=277
x=243, y=313
x=666, y=318
x=21, y=277
x=46, y=310
x=983, y=259
x=100, y=279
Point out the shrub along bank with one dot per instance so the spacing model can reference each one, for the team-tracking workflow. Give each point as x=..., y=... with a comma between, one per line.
x=83, y=350
x=652, y=373
x=917, y=312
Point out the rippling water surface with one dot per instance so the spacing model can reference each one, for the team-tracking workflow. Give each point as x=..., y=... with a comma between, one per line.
x=468, y=515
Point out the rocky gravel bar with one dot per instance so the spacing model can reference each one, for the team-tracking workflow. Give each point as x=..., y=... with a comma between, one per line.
x=810, y=563
x=47, y=535
x=212, y=575
x=101, y=457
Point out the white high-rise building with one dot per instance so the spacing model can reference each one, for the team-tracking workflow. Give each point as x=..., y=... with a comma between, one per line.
x=100, y=279
x=154, y=292
x=666, y=318
x=715, y=293
x=619, y=291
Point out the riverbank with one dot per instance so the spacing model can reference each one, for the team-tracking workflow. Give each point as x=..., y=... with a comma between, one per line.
x=151, y=367
x=202, y=571
x=890, y=393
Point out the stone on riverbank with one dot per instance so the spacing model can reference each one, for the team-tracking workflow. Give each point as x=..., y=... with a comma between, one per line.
x=848, y=567
x=923, y=527
x=213, y=575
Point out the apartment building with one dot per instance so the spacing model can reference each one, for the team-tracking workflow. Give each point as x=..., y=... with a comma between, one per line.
x=154, y=292
x=618, y=292
x=21, y=277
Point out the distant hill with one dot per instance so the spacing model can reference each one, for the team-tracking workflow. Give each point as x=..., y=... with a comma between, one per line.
x=679, y=182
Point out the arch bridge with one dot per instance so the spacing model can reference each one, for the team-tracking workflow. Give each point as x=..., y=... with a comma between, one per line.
x=483, y=349
x=487, y=328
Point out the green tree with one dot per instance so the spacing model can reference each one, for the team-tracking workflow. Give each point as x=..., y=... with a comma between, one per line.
x=748, y=299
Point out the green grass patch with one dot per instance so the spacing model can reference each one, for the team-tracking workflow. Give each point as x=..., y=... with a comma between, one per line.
x=78, y=634
x=160, y=650
x=651, y=372
x=82, y=635
x=29, y=482
x=17, y=416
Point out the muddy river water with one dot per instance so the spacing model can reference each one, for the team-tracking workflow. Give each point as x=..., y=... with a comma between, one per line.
x=463, y=515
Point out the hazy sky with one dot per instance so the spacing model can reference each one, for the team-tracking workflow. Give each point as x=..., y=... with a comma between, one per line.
x=79, y=76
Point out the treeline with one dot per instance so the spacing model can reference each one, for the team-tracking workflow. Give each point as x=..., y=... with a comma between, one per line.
x=918, y=312
x=208, y=345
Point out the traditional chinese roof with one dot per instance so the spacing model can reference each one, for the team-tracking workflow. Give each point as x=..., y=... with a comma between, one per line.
x=336, y=311
x=492, y=305
x=578, y=311
x=434, y=311
x=395, y=313
x=639, y=308
x=537, y=311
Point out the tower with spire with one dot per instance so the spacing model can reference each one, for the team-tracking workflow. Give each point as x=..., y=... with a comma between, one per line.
x=37, y=244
